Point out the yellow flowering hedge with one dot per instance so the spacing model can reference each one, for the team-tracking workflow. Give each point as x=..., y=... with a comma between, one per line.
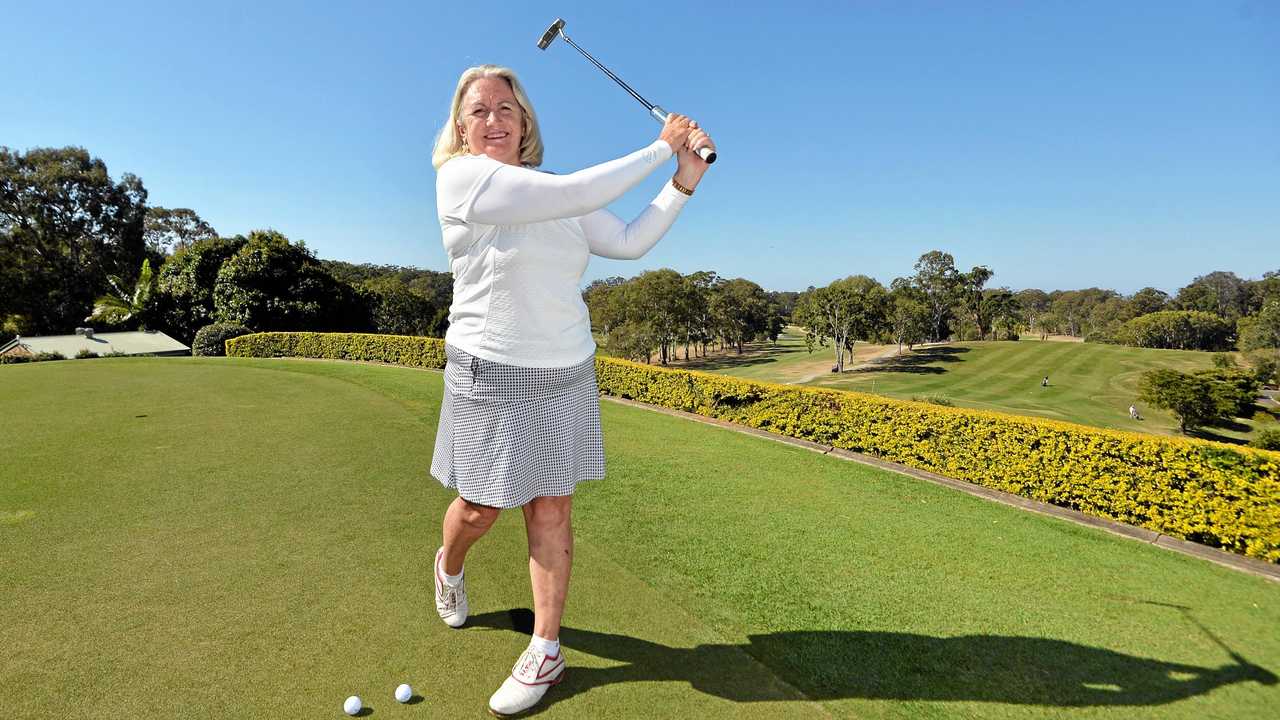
x=1211, y=493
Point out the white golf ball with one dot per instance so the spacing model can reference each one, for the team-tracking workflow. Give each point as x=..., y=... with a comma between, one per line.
x=352, y=705
x=404, y=693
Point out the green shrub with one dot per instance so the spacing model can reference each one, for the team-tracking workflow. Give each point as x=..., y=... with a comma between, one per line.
x=14, y=359
x=1268, y=439
x=1211, y=493
x=1224, y=361
x=211, y=339
x=1177, y=330
x=410, y=351
x=85, y=353
x=45, y=356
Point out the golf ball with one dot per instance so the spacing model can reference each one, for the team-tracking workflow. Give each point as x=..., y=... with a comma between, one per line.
x=403, y=693
x=352, y=705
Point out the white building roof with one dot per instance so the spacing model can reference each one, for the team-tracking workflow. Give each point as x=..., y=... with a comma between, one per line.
x=129, y=343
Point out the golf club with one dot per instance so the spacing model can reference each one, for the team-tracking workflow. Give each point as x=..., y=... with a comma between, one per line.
x=557, y=28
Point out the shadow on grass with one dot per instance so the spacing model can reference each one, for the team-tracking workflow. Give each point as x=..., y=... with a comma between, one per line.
x=917, y=361
x=1207, y=434
x=754, y=356
x=836, y=664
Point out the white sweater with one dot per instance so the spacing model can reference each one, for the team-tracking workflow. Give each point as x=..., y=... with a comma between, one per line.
x=518, y=243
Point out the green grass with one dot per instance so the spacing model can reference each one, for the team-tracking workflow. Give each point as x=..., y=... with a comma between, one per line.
x=252, y=538
x=1089, y=383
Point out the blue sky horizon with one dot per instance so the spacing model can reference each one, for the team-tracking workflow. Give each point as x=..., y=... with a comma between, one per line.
x=1064, y=145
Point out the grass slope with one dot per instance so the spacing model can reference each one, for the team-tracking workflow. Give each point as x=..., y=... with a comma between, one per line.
x=252, y=538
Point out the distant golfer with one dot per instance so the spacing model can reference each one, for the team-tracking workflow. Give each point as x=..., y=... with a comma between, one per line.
x=1045, y=381
x=1133, y=413
x=520, y=419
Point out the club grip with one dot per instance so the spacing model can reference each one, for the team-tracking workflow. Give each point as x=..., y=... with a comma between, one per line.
x=707, y=154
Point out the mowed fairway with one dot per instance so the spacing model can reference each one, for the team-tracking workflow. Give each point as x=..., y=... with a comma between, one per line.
x=1089, y=383
x=228, y=538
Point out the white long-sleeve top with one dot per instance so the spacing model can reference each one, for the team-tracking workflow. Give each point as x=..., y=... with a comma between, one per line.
x=519, y=240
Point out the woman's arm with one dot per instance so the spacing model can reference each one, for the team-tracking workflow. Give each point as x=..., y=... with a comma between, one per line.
x=608, y=236
x=480, y=189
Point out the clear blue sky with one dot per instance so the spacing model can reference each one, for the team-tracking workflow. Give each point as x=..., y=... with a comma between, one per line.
x=1063, y=144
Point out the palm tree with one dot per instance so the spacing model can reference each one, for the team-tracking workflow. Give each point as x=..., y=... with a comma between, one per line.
x=121, y=306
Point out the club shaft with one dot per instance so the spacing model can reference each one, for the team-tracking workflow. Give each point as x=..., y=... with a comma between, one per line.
x=707, y=154
x=648, y=105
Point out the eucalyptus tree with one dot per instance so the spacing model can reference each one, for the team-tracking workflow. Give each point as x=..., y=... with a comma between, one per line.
x=936, y=277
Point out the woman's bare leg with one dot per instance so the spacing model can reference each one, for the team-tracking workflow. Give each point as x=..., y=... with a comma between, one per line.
x=549, y=527
x=464, y=524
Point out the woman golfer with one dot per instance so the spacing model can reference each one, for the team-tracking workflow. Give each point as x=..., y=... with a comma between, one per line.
x=520, y=421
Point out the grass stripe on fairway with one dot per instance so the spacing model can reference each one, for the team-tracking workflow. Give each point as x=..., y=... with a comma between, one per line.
x=1090, y=384
x=252, y=538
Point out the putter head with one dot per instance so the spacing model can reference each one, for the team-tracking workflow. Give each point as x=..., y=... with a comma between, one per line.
x=550, y=34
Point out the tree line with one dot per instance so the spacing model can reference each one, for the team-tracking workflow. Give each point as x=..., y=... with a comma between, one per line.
x=75, y=244
x=77, y=247
x=661, y=311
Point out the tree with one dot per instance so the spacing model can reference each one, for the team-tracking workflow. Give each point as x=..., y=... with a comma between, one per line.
x=937, y=279
x=1177, y=330
x=65, y=225
x=1003, y=313
x=397, y=310
x=969, y=297
x=1075, y=308
x=125, y=304
x=1106, y=318
x=273, y=284
x=1188, y=397
x=603, y=304
x=436, y=287
x=909, y=317
x=1261, y=330
x=657, y=300
x=741, y=310
x=870, y=310
x=842, y=312
x=785, y=302
x=1233, y=390
x=182, y=302
x=1035, y=304
x=1221, y=293
x=1261, y=292
x=701, y=322
x=1149, y=300
x=1265, y=365
x=166, y=231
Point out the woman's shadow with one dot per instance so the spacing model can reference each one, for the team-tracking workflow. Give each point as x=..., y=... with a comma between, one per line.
x=834, y=664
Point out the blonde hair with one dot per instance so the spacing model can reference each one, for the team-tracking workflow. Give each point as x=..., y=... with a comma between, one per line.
x=449, y=143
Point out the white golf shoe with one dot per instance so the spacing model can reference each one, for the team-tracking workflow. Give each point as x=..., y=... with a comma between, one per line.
x=534, y=672
x=451, y=600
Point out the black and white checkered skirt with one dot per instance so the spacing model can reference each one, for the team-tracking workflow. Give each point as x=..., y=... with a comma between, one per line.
x=509, y=434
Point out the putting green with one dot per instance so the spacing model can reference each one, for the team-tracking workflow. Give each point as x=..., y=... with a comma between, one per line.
x=185, y=537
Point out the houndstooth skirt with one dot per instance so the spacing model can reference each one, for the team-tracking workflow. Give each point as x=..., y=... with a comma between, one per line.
x=510, y=434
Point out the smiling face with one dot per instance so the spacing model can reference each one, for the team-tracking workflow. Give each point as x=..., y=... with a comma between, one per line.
x=491, y=121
